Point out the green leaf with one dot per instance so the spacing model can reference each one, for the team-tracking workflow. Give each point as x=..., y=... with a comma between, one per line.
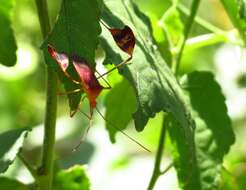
x=155, y=86
x=161, y=39
x=213, y=134
x=6, y=183
x=173, y=25
x=120, y=104
x=185, y=160
x=74, y=178
x=11, y=142
x=75, y=33
x=8, y=45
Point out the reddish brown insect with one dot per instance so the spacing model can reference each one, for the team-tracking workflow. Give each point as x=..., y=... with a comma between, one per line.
x=124, y=39
x=89, y=84
x=88, y=81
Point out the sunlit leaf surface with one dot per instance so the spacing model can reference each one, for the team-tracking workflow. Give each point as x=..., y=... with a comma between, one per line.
x=74, y=178
x=120, y=104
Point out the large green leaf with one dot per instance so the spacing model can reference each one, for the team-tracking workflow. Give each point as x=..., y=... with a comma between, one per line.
x=155, y=86
x=11, y=142
x=120, y=104
x=7, y=46
x=74, y=178
x=75, y=33
x=6, y=183
x=213, y=135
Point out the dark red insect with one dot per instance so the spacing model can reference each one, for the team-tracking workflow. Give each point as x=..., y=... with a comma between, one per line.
x=89, y=84
x=124, y=38
x=88, y=81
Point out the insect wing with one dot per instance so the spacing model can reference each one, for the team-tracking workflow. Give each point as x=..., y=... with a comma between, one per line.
x=124, y=38
x=87, y=75
x=61, y=58
x=83, y=69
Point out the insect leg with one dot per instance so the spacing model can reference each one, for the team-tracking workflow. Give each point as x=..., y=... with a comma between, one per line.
x=87, y=129
x=104, y=24
x=109, y=86
x=69, y=76
x=117, y=66
x=121, y=131
x=72, y=113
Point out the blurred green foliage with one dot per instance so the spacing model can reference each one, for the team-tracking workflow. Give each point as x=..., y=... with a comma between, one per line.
x=74, y=178
x=11, y=142
x=22, y=98
x=6, y=183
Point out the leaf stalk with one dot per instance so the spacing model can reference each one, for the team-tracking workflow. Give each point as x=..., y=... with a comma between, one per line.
x=157, y=171
x=194, y=9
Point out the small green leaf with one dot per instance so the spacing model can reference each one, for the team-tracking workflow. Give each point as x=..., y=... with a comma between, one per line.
x=213, y=134
x=120, y=104
x=6, y=183
x=11, y=142
x=173, y=25
x=161, y=38
x=8, y=45
x=75, y=33
x=74, y=178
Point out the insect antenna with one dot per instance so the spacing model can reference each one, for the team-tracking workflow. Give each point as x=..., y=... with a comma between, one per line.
x=106, y=26
x=86, y=131
x=122, y=132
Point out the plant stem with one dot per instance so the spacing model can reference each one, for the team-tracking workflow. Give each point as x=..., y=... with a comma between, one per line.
x=204, y=40
x=194, y=9
x=47, y=163
x=201, y=21
x=157, y=171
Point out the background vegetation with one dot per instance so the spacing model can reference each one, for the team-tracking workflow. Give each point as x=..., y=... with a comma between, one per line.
x=214, y=49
